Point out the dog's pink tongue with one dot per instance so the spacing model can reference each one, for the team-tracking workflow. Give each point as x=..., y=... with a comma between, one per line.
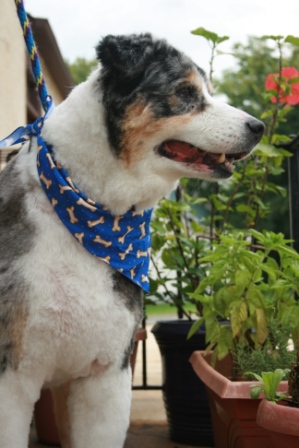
x=183, y=152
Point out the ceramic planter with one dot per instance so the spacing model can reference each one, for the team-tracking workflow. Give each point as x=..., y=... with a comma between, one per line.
x=281, y=421
x=48, y=432
x=185, y=398
x=233, y=412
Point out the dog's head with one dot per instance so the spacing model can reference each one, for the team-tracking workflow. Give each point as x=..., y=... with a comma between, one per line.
x=160, y=112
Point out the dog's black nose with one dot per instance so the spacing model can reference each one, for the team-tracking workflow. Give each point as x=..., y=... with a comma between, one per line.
x=256, y=126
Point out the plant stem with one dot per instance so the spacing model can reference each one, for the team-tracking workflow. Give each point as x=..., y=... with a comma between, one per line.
x=231, y=198
x=212, y=61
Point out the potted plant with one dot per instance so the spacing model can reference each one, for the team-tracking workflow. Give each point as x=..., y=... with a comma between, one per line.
x=232, y=409
x=280, y=414
x=253, y=288
x=174, y=258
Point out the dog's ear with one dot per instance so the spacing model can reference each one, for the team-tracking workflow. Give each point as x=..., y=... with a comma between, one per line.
x=125, y=56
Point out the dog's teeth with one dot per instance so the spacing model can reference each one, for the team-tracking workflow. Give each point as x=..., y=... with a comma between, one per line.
x=221, y=158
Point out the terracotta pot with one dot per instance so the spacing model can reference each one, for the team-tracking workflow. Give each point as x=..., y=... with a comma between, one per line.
x=282, y=421
x=48, y=432
x=233, y=411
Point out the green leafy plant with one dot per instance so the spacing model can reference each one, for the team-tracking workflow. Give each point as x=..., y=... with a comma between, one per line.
x=269, y=384
x=176, y=248
x=214, y=40
x=276, y=352
x=210, y=250
x=250, y=285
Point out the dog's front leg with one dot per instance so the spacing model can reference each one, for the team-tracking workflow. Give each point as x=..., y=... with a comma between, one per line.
x=18, y=394
x=100, y=409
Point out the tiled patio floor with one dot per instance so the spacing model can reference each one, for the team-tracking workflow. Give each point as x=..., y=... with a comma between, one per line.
x=148, y=419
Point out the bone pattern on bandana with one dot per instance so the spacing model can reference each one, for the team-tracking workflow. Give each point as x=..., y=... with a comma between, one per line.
x=121, y=241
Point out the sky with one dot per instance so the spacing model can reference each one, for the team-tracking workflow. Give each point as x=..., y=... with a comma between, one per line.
x=78, y=25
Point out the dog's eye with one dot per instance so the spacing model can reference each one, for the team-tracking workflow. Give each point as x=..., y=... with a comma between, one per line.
x=185, y=92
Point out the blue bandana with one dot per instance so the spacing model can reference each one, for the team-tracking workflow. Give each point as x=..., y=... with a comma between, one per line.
x=121, y=241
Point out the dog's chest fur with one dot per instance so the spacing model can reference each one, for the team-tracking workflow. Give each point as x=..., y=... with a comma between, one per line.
x=63, y=297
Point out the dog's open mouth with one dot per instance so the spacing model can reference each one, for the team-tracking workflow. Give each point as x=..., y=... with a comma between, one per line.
x=185, y=153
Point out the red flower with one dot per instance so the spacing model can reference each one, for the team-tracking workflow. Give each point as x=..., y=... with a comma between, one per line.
x=288, y=92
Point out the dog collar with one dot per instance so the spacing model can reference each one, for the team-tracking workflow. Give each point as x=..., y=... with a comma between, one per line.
x=123, y=241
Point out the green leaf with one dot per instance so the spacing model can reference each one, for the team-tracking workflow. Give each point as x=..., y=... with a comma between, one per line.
x=209, y=35
x=255, y=392
x=197, y=324
x=278, y=375
x=238, y=316
x=268, y=385
x=212, y=326
x=255, y=375
x=272, y=37
x=241, y=280
x=293, y=80
x=267, y=150
x=267, y=114
x=243, y=208
x=261, y=327
x=292, y=40
x=225, y=341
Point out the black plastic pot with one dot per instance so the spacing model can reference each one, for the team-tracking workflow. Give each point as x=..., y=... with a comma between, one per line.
x=185, y=398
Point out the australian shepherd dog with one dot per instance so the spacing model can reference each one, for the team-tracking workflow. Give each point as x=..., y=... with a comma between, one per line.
x=143, y=119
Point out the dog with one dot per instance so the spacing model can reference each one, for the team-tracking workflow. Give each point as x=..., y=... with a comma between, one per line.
x=143, y=119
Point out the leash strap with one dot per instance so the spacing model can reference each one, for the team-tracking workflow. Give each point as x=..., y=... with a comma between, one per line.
x=32, y=51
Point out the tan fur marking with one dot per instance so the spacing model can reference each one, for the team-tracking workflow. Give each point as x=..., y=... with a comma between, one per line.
x=195, y=80
x=139, y=125
x=16, y=332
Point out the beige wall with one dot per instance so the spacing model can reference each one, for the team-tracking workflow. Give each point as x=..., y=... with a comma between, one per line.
x=12, y=72
x=51, y=86
x=13, y=76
